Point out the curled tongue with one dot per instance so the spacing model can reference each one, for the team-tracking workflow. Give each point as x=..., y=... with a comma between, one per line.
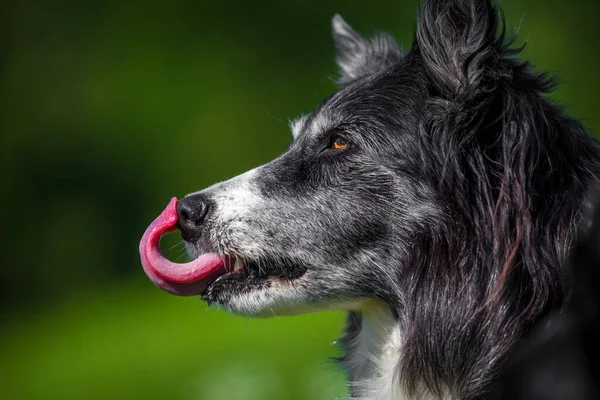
x=181, y=279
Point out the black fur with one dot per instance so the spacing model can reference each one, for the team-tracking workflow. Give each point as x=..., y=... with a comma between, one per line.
x=558, y=359
x=513, y=171
x=455, y=204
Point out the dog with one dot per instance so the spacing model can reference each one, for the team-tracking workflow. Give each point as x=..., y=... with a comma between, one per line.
x=434, y=196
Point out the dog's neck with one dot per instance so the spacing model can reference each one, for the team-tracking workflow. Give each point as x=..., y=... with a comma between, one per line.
x=373, y=344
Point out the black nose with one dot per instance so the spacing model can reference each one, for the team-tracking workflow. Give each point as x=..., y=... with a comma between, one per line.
x=191, y=211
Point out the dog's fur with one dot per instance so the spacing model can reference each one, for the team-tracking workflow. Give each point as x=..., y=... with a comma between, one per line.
x=558, y=359
x=435, y=196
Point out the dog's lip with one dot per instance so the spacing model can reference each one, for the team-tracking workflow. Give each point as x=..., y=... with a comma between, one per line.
x=187, y=279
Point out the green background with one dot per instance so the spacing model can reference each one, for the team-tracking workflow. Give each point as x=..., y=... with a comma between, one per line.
x=108, y=109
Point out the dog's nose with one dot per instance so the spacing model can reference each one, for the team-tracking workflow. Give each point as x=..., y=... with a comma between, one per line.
x=191, y=212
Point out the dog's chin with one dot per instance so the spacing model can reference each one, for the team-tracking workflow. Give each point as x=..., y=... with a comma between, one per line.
x=268, y=290
x=276, y=296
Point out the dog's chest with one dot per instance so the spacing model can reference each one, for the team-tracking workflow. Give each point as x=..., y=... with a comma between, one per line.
x=374, y=344
x=373, y=353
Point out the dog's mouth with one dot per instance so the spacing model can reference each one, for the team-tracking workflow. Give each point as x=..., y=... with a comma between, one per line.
x=193, y=278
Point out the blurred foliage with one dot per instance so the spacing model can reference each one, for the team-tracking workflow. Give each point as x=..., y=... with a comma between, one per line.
x=108, y=109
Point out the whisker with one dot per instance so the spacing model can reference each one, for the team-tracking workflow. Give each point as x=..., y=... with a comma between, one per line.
x=181, y=243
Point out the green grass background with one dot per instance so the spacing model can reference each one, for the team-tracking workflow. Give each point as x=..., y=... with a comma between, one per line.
x=108, y=109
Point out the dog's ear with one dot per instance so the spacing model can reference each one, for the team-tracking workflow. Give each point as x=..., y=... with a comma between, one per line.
x=457, y=38
x=358, y=56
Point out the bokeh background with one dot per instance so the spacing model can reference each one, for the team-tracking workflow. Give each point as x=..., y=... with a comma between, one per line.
x=108, y=109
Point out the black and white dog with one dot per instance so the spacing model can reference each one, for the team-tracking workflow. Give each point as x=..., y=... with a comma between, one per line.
x=434, y=196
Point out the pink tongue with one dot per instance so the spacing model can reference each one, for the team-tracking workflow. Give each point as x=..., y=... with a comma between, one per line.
x=181, y=279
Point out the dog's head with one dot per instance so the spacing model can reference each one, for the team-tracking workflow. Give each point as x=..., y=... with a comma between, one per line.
x=322, y=223
x=414, y=157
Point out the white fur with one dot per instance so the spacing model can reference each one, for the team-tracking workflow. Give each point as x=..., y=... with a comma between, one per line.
x=297, y=126
x=374, y=356
x=237, y=196
x=321, y=123
x=281, y=298
x=374, y=353
x=235, y=199
x=341, y=27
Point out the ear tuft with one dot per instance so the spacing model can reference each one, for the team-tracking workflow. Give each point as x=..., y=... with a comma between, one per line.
x=345, y=37
x=358, y=56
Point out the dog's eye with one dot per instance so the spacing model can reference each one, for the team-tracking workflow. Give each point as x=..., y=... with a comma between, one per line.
x=338, y=143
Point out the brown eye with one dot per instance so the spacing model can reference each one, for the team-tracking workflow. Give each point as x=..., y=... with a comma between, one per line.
x=339, y=143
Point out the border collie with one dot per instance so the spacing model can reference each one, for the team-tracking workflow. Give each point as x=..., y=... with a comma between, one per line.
x=434, y=197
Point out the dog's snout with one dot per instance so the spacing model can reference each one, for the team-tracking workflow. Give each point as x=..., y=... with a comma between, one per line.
x=191, y=212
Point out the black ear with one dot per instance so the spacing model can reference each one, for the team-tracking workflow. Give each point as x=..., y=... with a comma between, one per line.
x=358, y=56
x=457, y=39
